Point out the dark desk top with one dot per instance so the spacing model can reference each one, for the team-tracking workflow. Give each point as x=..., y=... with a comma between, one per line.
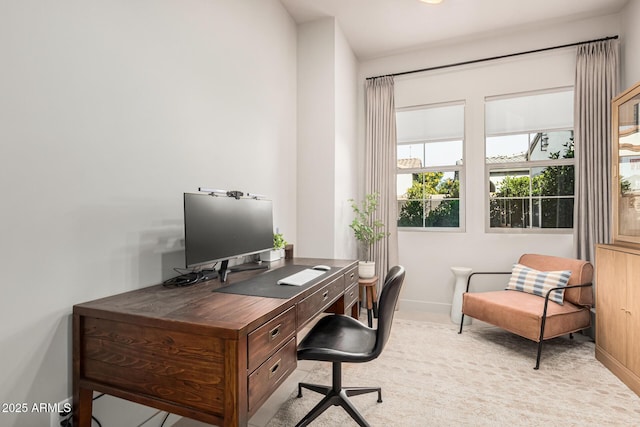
x=197, y=308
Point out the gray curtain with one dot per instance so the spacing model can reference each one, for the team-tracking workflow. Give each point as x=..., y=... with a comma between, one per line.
x=380, y=166
x=597, y=75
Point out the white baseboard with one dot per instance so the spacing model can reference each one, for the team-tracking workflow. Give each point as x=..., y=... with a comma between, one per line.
x=426, y=306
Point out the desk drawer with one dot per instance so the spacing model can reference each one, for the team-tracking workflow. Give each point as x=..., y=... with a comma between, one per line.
x=320, y=300
x=351, y=295
x=271, y=374
x=267, y=338
x=351, y=277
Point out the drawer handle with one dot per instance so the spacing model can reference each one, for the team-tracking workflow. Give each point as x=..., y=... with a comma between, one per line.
x=273, y=333
x=352, y=274
x=274, y=368
x=325, y=295
x=351, y=293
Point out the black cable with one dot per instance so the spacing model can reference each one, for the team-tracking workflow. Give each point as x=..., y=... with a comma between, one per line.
x=96, y=420
x=189, y=278
x=186, y=279
x=67, y=422
x=165, y=419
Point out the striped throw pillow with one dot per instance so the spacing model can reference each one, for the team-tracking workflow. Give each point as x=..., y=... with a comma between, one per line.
x=536, y=282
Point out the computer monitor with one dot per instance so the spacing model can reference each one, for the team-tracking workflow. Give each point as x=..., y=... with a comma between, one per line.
x=219, y=228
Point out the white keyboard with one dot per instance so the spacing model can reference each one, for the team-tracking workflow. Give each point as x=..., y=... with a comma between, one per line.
x=300, y=278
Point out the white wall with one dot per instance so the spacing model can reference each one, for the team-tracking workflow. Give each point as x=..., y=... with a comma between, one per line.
x=316, y=138
x=327, y=140
x=109, y=111
x=630, y=44
x=428, y=256
x=346, y=173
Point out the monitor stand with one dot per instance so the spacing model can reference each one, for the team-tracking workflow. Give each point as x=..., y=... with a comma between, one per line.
x=225, y=269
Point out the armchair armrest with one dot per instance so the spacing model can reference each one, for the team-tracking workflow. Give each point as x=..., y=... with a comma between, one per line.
x=483, y=272
x=546, y=303
x=546, y=298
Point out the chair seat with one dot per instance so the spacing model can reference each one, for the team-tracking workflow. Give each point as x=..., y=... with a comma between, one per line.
x=521, y=313
x=338, y=338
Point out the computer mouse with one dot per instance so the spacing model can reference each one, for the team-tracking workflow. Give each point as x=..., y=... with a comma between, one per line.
x=322, y=267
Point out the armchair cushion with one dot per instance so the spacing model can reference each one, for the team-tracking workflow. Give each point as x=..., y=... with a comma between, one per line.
x=536, y=282
x=521, y=313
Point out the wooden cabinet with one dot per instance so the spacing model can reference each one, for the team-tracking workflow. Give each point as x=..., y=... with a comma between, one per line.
x=625, y=166
x=618, y=312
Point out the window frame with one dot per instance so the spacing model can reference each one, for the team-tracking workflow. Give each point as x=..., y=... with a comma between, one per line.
x=460, y=168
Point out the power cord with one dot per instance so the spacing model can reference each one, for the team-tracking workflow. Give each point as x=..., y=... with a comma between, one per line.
x=68, y=421
x=165, y=419
x=186, y=279
x=190, y=277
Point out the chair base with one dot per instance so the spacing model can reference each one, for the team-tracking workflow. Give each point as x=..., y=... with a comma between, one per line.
x=336, y=395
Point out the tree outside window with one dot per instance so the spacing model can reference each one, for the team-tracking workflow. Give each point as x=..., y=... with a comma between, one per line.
x=536, y=197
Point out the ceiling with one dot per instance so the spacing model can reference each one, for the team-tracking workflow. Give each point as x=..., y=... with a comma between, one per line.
x=379, y=27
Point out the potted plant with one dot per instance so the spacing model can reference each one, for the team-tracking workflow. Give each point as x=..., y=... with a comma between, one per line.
x=367, y=230
x=278, y=249
x=279, y=243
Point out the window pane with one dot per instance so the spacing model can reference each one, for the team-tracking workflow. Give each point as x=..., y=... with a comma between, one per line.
x=553, y=212
x=510, y=183
x=509, y=148
x=529, y=147
x=551, y=145
x=411, y=213
x=406, y=187
x=428, y=199
x=445, y=153
x=410, y=156
x=442, y=212
x=509, y=213
x=532, y=198
x=553, y=181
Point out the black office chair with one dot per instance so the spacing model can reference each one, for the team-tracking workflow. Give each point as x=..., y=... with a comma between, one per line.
x=340, y=338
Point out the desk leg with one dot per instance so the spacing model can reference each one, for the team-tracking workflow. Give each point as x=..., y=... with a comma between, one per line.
x=355, y=310
x=82, y=397
x=83, y=408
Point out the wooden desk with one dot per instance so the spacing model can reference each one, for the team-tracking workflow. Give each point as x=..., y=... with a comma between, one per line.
x=211, y=356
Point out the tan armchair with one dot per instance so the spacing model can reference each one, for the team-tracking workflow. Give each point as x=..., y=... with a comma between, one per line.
x=535, y=317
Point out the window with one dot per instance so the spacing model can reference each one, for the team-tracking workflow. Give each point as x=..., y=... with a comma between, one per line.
x=430, y=153
x=530, y=161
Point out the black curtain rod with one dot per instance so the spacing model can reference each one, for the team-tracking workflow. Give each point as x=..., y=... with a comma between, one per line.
x=474, y=61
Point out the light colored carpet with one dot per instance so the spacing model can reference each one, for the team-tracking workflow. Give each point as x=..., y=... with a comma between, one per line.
x=431, y=376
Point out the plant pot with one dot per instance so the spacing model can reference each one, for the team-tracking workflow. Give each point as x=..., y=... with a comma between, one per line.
x=270, y=256
x=366, y=269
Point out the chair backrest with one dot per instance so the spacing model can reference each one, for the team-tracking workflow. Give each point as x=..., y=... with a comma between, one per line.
x=387, y=306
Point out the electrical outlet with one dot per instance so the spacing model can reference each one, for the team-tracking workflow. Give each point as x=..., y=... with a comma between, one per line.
x=61, y=407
